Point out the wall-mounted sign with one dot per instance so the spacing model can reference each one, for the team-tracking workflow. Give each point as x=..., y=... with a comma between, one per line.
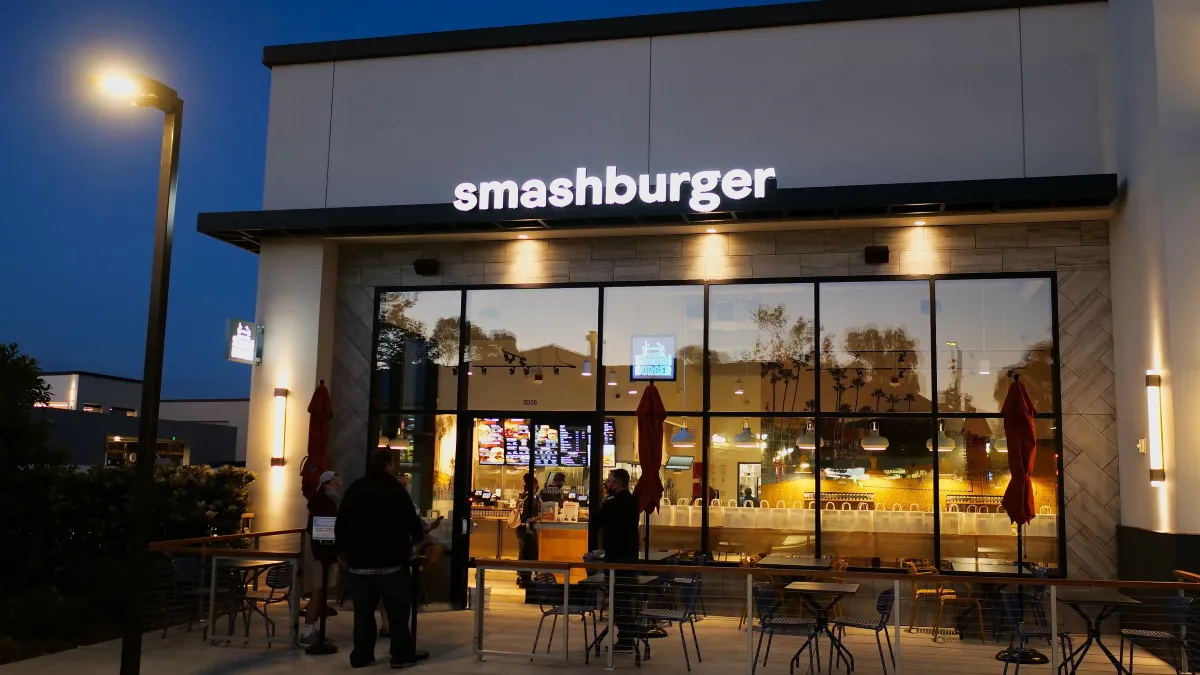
x=707, y=188
x=653, y=358
x=243, y=342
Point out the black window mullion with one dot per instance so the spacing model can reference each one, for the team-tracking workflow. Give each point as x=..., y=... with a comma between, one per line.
x=933, y=416
x=816, y=421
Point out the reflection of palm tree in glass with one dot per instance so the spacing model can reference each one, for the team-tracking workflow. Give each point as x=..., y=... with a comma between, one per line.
x=878, y=356
x=910, y=398
x=878, y=395
x=892, y=400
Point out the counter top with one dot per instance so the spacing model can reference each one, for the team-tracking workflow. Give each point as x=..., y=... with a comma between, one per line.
x=556, y=525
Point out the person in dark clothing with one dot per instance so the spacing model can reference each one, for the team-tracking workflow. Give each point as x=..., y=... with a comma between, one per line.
x=377, y=527
x=527, y=542
x=748, y=498
x=618, y=521
x=322, y=504
x=554, y=491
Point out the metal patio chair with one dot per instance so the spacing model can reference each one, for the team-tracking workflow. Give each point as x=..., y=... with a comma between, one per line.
x=548, y=593
x=1178, y=610
x=884, y=605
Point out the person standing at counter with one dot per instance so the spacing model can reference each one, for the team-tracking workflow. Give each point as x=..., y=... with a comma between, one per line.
x=376, y=529
x=529, y=506
x=554, y=491
x=618, y=520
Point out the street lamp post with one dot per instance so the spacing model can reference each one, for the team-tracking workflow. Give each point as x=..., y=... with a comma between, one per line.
x=145, y=92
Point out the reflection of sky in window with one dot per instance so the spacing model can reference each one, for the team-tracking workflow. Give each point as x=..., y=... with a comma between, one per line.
x=537, y=317
x=430, y=307
x=658, y=310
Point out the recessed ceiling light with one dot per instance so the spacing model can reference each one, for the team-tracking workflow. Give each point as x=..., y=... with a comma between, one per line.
x=525, y=236
x=919, y=223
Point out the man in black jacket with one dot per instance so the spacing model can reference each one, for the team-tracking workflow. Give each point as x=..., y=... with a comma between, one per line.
x=377, y=526
x=619, y=535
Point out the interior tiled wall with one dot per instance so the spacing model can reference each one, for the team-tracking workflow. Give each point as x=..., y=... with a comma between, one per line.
x=1078, y=251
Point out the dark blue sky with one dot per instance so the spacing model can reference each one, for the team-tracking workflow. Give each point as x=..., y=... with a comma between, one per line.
x=78, y=174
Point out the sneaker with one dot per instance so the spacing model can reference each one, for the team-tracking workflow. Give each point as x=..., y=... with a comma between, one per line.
x=309, y=637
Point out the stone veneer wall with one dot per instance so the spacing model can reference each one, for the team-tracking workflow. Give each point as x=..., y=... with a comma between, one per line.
x=1078, y=251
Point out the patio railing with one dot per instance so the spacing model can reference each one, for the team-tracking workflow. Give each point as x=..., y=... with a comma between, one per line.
x=759, y=619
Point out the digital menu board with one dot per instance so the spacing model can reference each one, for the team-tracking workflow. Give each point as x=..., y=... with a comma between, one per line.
x=610, y=443
x=490, y=437
x=516, y=442
x=574, y=444
x=545, y=446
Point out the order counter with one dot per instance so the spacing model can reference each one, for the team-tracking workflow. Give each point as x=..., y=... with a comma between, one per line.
x=562, y=542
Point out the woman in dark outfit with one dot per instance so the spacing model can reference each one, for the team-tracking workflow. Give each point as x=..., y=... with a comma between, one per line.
x=527, y=543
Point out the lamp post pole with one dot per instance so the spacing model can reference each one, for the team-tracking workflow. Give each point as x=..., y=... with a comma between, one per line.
x=149, y=93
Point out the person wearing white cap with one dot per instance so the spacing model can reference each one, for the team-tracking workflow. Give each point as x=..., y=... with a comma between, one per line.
x=322, y=504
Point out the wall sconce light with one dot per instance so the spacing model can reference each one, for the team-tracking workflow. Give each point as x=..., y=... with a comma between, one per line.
x=280, y=426
x=1158, y=474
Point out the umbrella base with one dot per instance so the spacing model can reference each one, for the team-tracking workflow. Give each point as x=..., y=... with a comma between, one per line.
x=1023, y=656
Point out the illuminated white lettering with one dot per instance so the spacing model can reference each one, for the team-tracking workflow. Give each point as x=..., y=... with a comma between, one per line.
x=616, y=189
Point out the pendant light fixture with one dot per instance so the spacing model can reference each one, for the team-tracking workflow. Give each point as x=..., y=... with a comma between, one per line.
x=744, y=438
x=612, y=377
x=587, y=367
x=383, y=441
x=684, y=438
x=738, y=389
x=470, y=369
x=944, y=442
x=874, y=442
x=807, y=442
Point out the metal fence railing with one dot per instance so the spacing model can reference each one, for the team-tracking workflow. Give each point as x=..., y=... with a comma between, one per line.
x=693, y=618
x=244, y=587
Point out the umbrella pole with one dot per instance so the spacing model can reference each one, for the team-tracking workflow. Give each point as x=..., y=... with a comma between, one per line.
x=646, y=540
x=1029, y=655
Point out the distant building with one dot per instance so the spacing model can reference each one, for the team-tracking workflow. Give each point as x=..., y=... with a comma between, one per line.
x=94, y=417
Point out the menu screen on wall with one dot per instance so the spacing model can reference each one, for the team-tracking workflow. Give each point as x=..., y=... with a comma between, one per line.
x=516, y=442
x=610, y=444
x=574, y=444
x=490, y=438
x=545, y=446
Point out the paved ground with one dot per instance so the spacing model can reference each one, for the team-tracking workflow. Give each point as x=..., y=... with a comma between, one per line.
x=510, y=626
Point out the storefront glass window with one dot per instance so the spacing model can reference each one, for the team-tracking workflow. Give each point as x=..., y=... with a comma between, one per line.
x=986, y=329
x=875, y=349
x=760, y=339
x=423, y=448
x=759, y=479
x=877, y=491
x=976, y=532
x=654, y=332
x=677, y=524
x=532, y=349
x=416, y=350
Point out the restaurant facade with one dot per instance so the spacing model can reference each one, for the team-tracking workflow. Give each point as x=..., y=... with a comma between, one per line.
x=830, y=234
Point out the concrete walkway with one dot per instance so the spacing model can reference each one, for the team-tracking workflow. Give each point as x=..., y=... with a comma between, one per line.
x=511, y=627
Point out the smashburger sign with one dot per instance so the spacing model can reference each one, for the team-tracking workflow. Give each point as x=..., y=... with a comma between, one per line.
x=707, y=190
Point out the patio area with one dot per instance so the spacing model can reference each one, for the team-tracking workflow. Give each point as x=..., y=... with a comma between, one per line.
x=510, y=625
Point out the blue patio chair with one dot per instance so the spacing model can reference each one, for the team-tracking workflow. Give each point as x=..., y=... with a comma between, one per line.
x=1178, y=611
x=879, y=624
x=548, y=593
x=685, y=613
x=1010, y=603
x=277, y=589
x=767, y=604
x=186, y=589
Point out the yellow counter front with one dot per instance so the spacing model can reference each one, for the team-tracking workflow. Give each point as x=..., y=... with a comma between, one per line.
x=562, y=542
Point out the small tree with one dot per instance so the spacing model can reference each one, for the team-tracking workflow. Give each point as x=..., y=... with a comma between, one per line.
x=23, y=440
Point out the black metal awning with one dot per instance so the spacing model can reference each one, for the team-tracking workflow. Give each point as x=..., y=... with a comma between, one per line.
x=247, y=229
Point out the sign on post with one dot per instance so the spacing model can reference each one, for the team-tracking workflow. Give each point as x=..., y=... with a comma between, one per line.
x=323, y=529
x=243, y=341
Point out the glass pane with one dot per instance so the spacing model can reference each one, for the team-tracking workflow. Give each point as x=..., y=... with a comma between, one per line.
x=876, y=491
x=423, y=447
x=875, y=347
x=977, y=534
x=987, y=327
x=675, y=527
x=654, y=332
x=760, y=478
x=532, y=349
x=760, y=340
x=416, y=350
x=554, y=451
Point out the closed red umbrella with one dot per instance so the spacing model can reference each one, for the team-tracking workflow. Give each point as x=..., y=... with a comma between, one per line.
x=1022, y=448
x=650, y=416
x=320, y=413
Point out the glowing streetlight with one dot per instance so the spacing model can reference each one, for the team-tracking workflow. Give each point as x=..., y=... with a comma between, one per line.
x=142, y=91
